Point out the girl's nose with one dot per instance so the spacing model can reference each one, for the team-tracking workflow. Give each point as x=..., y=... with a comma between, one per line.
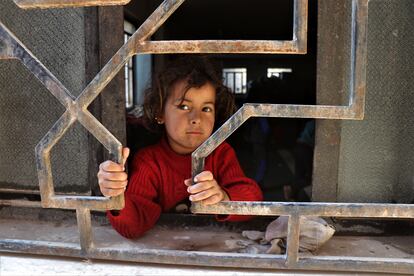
x=195, y=117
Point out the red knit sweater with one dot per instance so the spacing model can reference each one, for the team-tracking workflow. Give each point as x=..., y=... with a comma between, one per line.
x=156, y=184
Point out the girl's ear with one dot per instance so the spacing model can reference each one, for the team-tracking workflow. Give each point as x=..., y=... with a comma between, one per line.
x=159, y=119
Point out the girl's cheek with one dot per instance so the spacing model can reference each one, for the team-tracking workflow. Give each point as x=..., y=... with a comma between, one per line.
x=211, y=120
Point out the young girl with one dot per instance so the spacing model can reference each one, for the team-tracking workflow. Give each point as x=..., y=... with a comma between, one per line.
x=185, y=101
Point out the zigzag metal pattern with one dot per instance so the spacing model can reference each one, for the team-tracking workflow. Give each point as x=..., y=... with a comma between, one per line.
x=12, y=48
x=76, y=109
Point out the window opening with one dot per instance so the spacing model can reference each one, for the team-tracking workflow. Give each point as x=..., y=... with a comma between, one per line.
x=129, y=70
x=138, y=72
x=236, y=79
x=278, y=152
x=271, y=21
x=278, y=72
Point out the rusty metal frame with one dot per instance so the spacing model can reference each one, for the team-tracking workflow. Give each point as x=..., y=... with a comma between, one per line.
x=46, y=4
x=76, y=110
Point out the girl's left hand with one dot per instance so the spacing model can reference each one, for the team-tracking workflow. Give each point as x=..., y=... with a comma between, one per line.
x=206, y=189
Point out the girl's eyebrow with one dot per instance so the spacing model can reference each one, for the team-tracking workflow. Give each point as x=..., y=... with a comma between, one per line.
x=180, y=100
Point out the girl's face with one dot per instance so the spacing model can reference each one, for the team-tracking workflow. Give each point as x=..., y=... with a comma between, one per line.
x=189, y=121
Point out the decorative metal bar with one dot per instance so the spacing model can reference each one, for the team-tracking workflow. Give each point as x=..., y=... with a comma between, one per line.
x=292, y=250
x=215, y=259
x=44, y=166
x=263, y=208
x=270, y=110
x=218, y=46
x=103, y=135
x=90, y=202
x=300, y=25
x=83, y=216
x=46, y=4
x=358, y=57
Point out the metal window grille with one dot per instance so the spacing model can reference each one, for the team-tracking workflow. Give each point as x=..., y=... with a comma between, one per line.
x=76, y=110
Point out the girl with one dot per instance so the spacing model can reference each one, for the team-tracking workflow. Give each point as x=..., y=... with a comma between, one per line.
x=185, y=102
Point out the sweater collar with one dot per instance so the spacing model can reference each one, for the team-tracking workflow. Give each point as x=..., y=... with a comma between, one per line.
x=180, y=165
x=175, y=157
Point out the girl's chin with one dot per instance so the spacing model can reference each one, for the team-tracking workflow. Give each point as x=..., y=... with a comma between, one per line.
x=190, y=149
x=186, y=146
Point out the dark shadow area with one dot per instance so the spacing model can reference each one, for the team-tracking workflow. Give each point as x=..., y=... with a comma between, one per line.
x=276, y=152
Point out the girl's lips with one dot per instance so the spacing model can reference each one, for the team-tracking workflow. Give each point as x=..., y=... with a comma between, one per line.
x=194, y=132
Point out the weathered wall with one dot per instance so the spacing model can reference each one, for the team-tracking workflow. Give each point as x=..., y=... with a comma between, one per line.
x=370, y=160
x=28, y=110
x=377, y=154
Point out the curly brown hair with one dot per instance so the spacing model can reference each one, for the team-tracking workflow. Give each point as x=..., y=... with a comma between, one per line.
x=196, y=71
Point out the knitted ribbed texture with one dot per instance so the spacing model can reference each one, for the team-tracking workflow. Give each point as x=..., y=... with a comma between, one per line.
x=156, y=184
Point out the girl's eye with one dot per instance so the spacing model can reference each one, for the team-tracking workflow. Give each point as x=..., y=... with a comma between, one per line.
x=207, y=109
x=183, y=107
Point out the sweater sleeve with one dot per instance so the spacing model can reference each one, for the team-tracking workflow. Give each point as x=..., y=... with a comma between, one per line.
x=232, y=179
x=141, y=210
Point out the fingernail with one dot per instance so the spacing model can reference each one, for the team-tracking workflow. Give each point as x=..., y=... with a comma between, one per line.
x=195, y=179
x=190, y=198
x=188, y=189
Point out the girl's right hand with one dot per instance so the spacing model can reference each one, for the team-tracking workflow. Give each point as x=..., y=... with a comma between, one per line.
x=112, y=177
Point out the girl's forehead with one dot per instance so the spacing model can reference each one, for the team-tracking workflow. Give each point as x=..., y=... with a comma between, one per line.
x=205, y=93
x=180, y=90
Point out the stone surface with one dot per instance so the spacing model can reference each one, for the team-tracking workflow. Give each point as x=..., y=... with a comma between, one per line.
x=376, y=161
